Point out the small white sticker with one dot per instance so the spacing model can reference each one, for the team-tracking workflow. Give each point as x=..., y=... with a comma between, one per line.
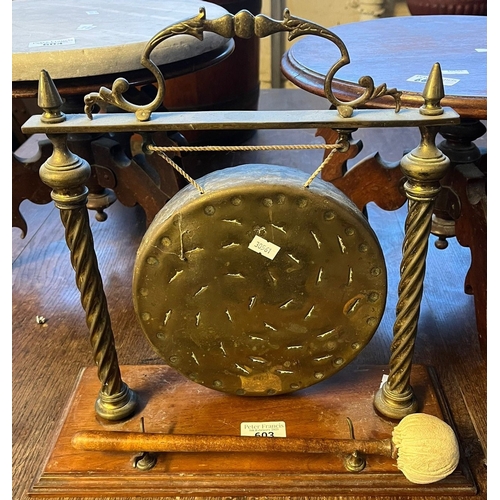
x=92, y=12
x=448, y=82
x=481, y=50
x=263, y=429
x=455, y=72
x=418, y=78
x=264, y=247
x=52, y=43
x=385, y=378
x=86, y=27
x=423, y=79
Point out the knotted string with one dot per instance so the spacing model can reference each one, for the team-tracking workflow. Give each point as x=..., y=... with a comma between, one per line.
x=162, y=150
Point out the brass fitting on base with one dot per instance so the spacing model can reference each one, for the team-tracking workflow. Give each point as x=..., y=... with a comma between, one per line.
x=355, y=462
x=394, y=405
x=118, y=406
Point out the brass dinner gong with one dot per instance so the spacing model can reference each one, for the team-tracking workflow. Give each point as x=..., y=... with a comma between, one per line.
x=256, y=280
x=263, y=281
x=260, y=285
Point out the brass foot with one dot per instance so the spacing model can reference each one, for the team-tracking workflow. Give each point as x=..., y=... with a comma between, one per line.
x=394, y=405
x=354, y=462
x=146, y=461
x=116, y=406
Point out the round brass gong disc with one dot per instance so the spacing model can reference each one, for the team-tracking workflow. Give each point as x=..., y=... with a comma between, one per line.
x=259, y=286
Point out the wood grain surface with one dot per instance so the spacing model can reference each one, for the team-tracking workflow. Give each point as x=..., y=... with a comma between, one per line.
x=177, y=409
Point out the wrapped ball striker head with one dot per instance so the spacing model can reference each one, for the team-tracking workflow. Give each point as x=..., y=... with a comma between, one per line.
x=427, y=448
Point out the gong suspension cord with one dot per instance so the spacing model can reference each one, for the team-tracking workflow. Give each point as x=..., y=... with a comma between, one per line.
x=163, y=150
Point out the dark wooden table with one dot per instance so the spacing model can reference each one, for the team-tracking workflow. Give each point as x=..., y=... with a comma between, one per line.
x=400, y=52
x=87, y=47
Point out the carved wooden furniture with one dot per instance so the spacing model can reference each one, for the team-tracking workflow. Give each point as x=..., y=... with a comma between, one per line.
x=401, y=48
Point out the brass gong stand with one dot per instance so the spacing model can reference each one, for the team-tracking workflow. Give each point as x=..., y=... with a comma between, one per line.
x=67, y=174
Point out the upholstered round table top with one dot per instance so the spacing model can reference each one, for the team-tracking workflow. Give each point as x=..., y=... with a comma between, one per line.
x=92, y=37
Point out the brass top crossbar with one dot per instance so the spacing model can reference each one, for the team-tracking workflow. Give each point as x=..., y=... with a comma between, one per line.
x=227, y=120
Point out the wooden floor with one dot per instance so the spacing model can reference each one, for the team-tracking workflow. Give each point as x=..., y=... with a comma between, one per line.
x=46, y=359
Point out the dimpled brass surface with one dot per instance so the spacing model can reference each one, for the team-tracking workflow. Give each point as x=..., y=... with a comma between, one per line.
x=243, y=320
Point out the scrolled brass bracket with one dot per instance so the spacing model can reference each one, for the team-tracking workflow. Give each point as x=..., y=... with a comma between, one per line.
x=193, y=27
x=242, y=25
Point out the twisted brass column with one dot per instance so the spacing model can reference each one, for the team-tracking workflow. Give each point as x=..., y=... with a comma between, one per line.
x=66, y=174
x=424, y=167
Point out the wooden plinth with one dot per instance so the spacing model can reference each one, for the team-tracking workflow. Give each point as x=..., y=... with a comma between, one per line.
x=172, y=404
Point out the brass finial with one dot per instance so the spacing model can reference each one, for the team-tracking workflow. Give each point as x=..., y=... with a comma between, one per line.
x=49, y=100
x=433, y=93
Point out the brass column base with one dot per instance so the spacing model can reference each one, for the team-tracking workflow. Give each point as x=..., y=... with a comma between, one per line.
x=118, y=406
x=394, y=405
